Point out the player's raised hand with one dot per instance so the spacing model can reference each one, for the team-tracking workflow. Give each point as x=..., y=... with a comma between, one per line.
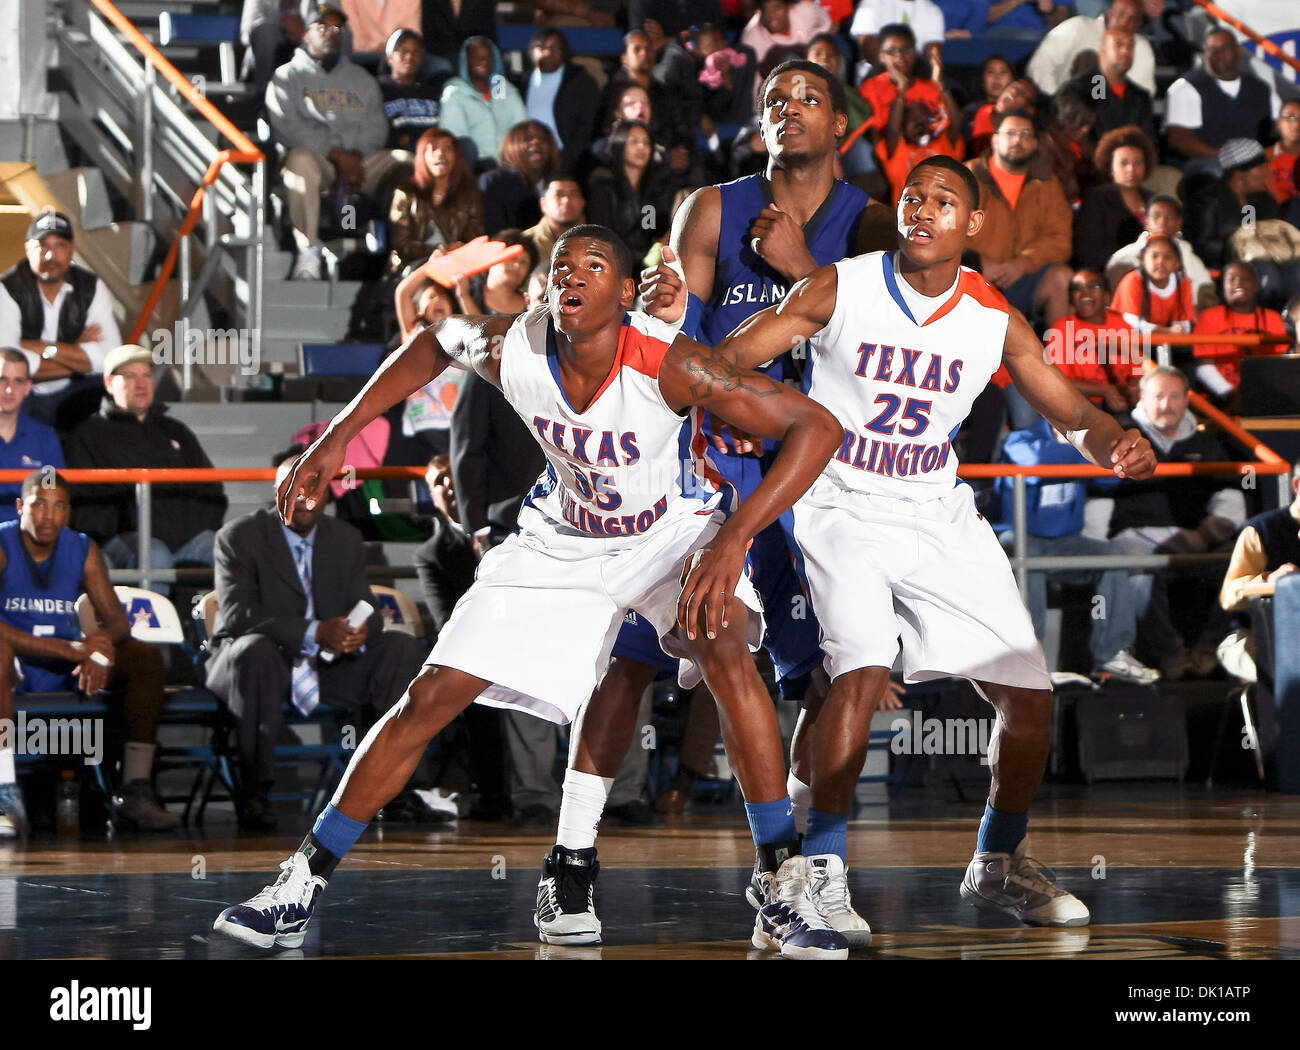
x=663, y=292
x=1132, y=456
x=708, y=586
x=779, y=241
x=312, y=472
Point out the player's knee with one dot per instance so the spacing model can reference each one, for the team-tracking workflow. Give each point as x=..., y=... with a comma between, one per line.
x=625, y=680
x=855, y=695
x=1026, y=710
x=726, y=664
x=428, y=701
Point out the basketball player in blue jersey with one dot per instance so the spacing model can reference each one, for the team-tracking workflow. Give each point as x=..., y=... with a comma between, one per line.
x=896, y=555
x=44, y=568
x=741, y=245
x=629, y=514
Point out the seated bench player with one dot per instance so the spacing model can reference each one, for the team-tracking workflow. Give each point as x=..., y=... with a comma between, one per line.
x=44, y=568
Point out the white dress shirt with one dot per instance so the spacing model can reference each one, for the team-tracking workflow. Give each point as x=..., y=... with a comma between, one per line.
x=100, y=313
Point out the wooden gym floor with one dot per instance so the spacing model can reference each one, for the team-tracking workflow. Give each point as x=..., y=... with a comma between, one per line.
x=1169, y=871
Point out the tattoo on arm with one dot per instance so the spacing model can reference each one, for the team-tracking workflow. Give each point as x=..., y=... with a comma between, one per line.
x=711, y=373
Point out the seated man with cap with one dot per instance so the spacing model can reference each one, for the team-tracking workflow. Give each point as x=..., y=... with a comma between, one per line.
x=1216, y=213
x=132, y=430
x=61, y=316
x=411, y=98
x=327, y=115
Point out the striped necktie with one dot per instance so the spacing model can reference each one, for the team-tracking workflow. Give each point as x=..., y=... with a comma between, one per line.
x=305, y=684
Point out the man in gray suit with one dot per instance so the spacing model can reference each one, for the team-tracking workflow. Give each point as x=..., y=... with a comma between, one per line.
x=284, y=594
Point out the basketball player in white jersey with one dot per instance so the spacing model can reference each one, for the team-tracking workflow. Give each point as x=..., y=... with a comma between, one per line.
x=895, y=552
x=627, y=515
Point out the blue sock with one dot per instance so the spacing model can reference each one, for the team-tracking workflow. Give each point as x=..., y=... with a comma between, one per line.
x=827, y=833
x=336, y=831
x=1001, y=832
x=772, y=821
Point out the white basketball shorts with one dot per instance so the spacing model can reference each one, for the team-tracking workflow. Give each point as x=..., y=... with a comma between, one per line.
x=929, y=576
x=541, y=618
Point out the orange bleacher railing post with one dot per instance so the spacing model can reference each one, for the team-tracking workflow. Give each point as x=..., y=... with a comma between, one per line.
x=245, y=152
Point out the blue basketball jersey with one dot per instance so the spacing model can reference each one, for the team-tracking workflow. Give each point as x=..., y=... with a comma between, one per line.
x=40, y=598
x=743, y=283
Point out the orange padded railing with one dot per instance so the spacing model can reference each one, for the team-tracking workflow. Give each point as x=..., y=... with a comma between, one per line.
x=179, y=475
x=1265, y=44
x=243, y=153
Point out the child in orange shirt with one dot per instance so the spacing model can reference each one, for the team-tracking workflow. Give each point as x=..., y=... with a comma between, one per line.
x=1218, y=366
x=1157, y=297
x=910, y=137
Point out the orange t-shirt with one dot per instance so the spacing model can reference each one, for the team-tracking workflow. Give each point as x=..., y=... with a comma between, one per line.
x=1009, y=184
x=898, y=165
x=1095, y=352
x=1219, y=320
x=1281, y=173
x=1164, y=310
x=1118, y=89
x=880, y=92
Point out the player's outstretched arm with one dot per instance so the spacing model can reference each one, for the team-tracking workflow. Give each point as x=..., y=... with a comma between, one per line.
x=1094, y=433
x=472, y=342
x=803, y=313
x=695, y=375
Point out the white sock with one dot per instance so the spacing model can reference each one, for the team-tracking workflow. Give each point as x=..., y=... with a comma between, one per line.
x=801, y=796
x=581, y=808
x=7, y=774
x=137, y=763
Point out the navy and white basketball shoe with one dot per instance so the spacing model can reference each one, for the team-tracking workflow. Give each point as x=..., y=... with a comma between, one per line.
x=830, y=892
x=566, y=897
x=790, y=922
x=278, y=916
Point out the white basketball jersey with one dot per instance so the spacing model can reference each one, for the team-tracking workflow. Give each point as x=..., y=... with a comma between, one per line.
x=901, y=389
x=628, y=460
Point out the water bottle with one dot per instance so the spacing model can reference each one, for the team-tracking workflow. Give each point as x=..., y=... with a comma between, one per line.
x=67, y=804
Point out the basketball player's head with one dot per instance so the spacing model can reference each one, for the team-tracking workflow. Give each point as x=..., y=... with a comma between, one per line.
x=44, y=506
x=593, y=279
x=802, y=115
x=303, y=520
x=937, y=211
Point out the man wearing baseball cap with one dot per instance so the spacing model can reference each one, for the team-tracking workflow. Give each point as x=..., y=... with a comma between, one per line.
x=327, y=114
x=411, y=95
x=61, y=316
x=131, y=430
x=1216, y=206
